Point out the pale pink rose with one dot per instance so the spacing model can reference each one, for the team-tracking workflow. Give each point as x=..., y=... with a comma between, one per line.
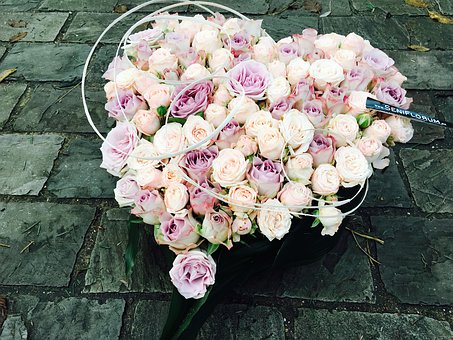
x=357, y=102
x=117, y=65
x=149, y=178
x=220, y=59
x=401, y=127
x=241, y=226
x=207, y=40
x=165, y=24
x=216, y=227
x=345, y=58
x=299, y=168
x=277, y=68
x=331, y=218
x=370, y=147
x=270, y=143
x=140, y=157
x=278, y=88
x=176, y=197
x=242, y=198
x=110, y=90
x=175, y=42
x=379, y=129
x=147, y=121
x=169, y=139
x=158, y=95
x=149, y=206
x=247, y=145
x=352, y=166
x=162, y=59
x=397, y=77
x=334, y=99
x=151, y=36
x=202, y=201
x=258, y=121
x=177, y=231
x=275, y=221
x=215, y=114
x=329, y=43
x=313, y=109
x=229, y=135
x=144, y=81
x=382, y=161
x=125, y=80
x=344, y=129
x=322, y=149
x=245, y=108
x=222, y=96
x=297, y=130
x=295, y=196
x=378, y=61
x=326, y=71
x=192, y=273
x=354, y=43
x=195, y=72
x=264, y=51
x=325, y=180
x=297, y=70
x=172, y=173
x=189, y=27
x=231, y=26
x=229, y=168
x=357, y=78
x=126, y=190
x=196, y=129
x=190, y=56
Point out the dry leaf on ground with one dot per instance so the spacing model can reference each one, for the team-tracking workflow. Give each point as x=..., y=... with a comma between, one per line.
x=417, y=3
x=6, y=73
x=418, y=48
x=440, y=18
x=17, y=37
x=312, y=6
x=120, y=9
x=17, y=23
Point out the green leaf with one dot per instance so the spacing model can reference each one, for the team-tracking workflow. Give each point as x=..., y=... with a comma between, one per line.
x=135, y=219
x=149, y=138
x=250, y=158
x=176, y=120
x=133, y=242
x=315, y=223
x=212, y=248
x=201, y=114
x=161, y=111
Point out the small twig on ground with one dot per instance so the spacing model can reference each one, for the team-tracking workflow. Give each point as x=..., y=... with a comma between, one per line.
x=31, y=227
x=363, y=250
x=366, y=236
x=27, y=246
x=5, y=245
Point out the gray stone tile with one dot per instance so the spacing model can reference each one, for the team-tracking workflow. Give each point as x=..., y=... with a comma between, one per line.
x=390, y=6
x=18, y=5
x=2, y=51
x=57, y=232
x=153, y=7
x=244, y=7
x=431, y=70
x=324, y=324
x=70, y=318
x=382, y=33
x=87, y=27
x=430, y=177
x=336, y=8
x=10, y=94
x=243, y=322
x=99, y=64
x=47, y=62
x=423, y=271
x=106, y=272
x=446, y=7
x=59, y=109
x=77, y=5
x=143, y=325
x=14, y=329
x=78, y=173
x=286, y=24
x=438, y=36
x=30, y=158
x=387, y=188
x=444, y=105
x=40, y=26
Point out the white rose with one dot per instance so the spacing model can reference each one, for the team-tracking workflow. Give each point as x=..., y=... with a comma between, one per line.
x=352, y=166
x=189, y=27
x=247, y=145
x=370, y=147
x=354, y=43
x=207, y=41
x=242, y=195
x=245, y=108
x=138, y=158
x=325, y=180
x=162, y=59
x=169, y=139
x=297, y=130
x=171, y=173
x=222, y=96
x=345, y=58
x=195, y=72
x=300, y=168
x=297, y=70
x=329, y=43
x=221, y=59
x=215, y=114
x=344, y=129
x=126, y=190
x=270, y=143
x=277, y=68
x=259, y=120
x=176, y=197
x=229, y=167
x=295, y=196
x=274, y=220
x=196, y=129
x=149, y=178
x=231, y=27
x=402, y=130
x=278, y=88
x=357, y=102
x=126, y=79
x=331, y=218
x=326, y=71
x=379, y=129
x=264, y=51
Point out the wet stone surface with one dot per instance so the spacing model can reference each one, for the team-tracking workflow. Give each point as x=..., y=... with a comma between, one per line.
x=10, y=94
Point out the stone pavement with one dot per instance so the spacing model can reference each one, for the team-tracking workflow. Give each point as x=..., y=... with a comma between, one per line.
x=62, y=236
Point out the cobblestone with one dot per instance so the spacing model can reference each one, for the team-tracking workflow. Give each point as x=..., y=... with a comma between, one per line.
x=10, y=94
x=287, y=24
x=18, y=5
x=14, y=329
x=77, y=5
x=386, y=6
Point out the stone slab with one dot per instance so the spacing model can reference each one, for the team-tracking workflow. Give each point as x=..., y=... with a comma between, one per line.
x=444, y=105
x=324, y=324
x=50, y=108
x=13, y=329
x=431, y=70
x=18, y=5
x=10, y=94
x=70, y=318
x=336, y=8
x=387, y=188
x=446, y=7
x=87, y=27
x=99, y=64
x=56, y=62
x=106, y=272
x=78, y=174
x=286, y=24
x=57, y=232
x=430, y=176
x=381, y=32
x=143, y=326
x=26, y=162
x=40, y=27
x=2, y=51
x=77, y=5
x=424, y=270
x=130, y=4
x=388, y=6
x=438, y=36
x=244, y=7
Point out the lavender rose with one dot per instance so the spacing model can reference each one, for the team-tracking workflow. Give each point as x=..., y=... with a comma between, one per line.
x=192, y=272
x=378, y=61
x=322, y=149
x=239, y=43
x=117, y=65
x=287, y=52
x=149, y=205
x=216, y=227
x=127, y=105
x=151, y=36
x=252, y=75
x=117, y=147
x=229, y=135
x=201, y=201
x=302, y=92
x=177, y=231
x=198, y=162
x=126, y=190
x=193, y=100
x=357, y=79
x=265, y=177
x=313, y=110
x=391, y=93
x=279, y=107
